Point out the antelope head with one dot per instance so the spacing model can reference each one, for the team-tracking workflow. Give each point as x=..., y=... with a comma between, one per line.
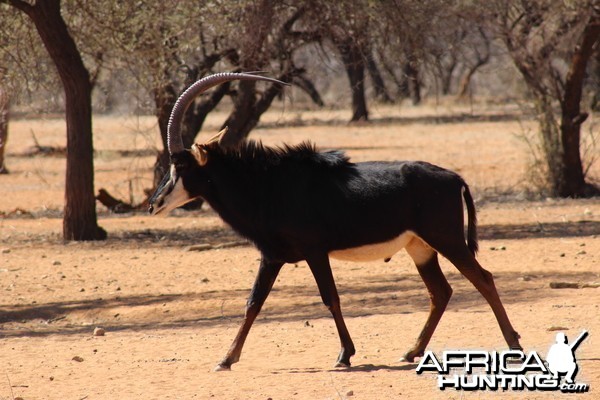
x=183, y=183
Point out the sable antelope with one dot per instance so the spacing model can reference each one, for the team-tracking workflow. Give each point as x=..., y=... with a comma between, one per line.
x=296, y=203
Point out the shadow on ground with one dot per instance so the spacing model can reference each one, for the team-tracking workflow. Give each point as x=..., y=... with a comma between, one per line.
x=223, y=234
x=353, y=369
x=539, y=230
x=378, y=295
x=181, y=236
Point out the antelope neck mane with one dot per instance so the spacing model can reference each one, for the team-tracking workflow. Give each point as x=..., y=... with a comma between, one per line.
x=255, y=154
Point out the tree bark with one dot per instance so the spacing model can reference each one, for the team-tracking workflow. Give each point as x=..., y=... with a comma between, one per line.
x=572, y=182
x=595, y=72
x=482, y=59
x=80, y=220
x=446, y=73
x=413, y=82
x=248, y=107
x=355, y=69
x=549, y=133
x=377, y=80
x=4, y=106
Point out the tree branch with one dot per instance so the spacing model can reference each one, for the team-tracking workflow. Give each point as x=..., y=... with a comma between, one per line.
x=22, y=5
x=579, y=60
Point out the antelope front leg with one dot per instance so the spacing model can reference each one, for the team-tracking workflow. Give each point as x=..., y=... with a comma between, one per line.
x=267, y=273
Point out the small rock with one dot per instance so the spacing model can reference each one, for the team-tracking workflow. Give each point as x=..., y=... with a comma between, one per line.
x=5, y=251
x=205, y=280
x=99, y=331
x=562, y=254
x=494, y=248
x=307, y=323
x=51, y=378
x=56, y=263
x=77, y=358
x=350, y=393
x=582, y=252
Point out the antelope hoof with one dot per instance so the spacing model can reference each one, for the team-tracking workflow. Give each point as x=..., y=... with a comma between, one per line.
x=343, y=360
x=410, y=356
x=514, y=343
x=222, y=367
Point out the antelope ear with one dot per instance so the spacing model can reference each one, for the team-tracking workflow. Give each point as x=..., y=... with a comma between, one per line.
x=218, y=137
x=227, y=140
x=200, y=154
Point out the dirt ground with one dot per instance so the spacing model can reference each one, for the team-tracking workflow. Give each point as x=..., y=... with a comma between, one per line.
x=170, y=314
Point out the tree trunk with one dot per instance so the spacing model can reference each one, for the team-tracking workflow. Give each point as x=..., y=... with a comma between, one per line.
x=413, y=82
x=573, y=182
x=4, y=105
x=243, y=116
x=401, y=88
x=355, y=69
x=551, y=148
x=465, y=82
x=446, y=73
x=377, y=80
x=79, y=221
x=595, y=77
x=248, y=108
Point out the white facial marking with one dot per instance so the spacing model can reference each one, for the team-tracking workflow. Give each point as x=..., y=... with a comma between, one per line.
x=176, y=198
x=375, y=251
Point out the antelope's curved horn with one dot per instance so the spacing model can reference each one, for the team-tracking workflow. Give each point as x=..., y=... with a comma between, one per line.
x=174, y=139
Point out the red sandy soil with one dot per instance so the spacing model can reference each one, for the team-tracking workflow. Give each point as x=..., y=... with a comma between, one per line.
x=171, y=314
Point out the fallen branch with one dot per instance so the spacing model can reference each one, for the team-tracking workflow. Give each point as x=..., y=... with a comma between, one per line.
x=118, y=206
x=47, y=151
x=573, y=285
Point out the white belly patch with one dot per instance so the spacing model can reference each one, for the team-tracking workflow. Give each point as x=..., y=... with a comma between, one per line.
x=375, y=251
